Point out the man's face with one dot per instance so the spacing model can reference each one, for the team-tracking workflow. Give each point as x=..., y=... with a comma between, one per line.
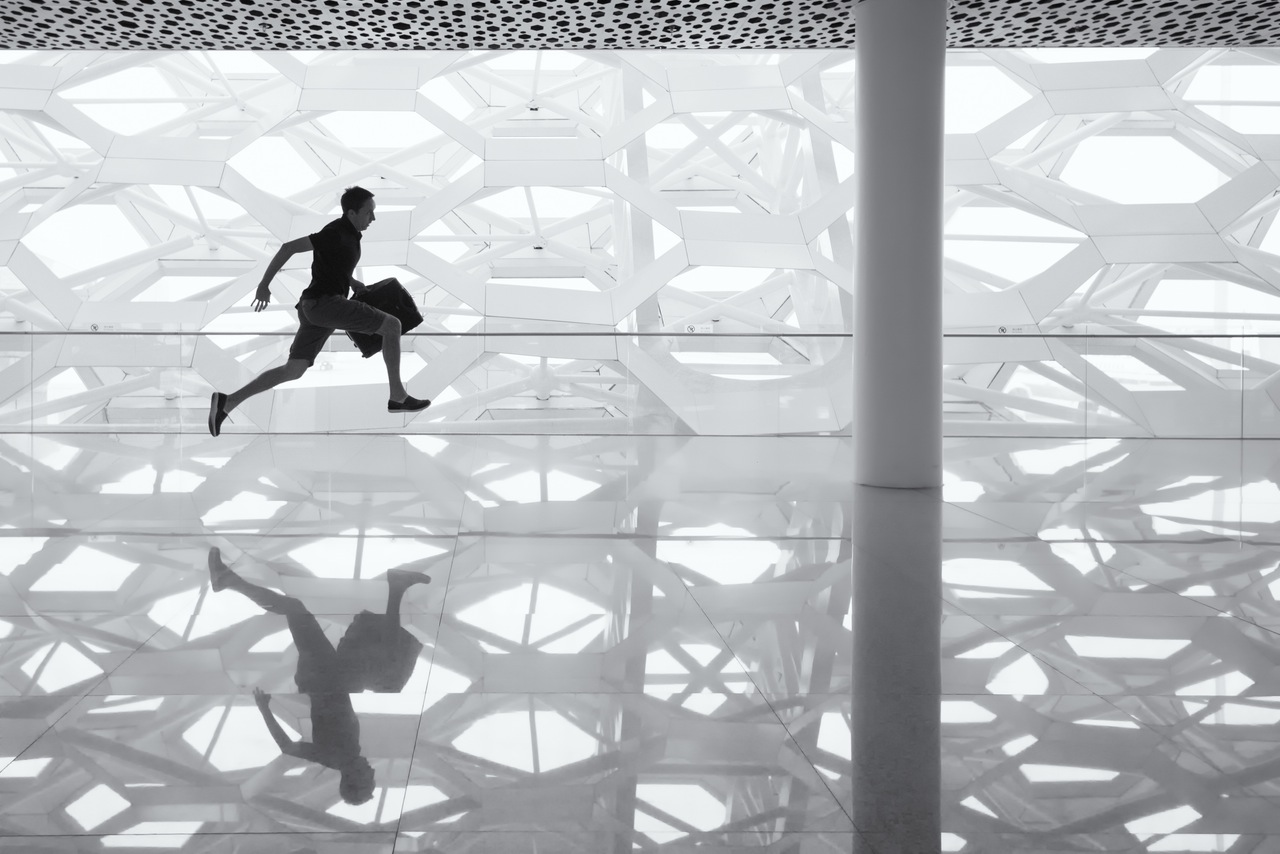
x=362, y=217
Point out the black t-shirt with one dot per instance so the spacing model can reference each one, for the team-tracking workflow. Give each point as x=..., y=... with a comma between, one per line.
x=335, y=251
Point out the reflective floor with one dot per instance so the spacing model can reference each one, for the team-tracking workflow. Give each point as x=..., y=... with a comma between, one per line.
x=625, y=644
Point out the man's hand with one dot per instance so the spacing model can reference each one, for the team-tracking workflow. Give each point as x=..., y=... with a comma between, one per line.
x=262, y=698
x=261, y=297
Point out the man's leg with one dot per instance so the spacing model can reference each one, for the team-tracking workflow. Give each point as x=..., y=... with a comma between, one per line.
x=398, y=398
x=319, y=669
x=221, y=577
x=398, y=581
x=268, y=379
x=390, y=332
x=220, y=405
x=307, y=344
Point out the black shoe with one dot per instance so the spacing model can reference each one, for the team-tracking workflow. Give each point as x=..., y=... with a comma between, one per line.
x=217, y=412
x=218, y=571
x=409, y=404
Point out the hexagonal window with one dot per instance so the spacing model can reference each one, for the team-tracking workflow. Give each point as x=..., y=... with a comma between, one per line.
x=377, y=129
x=1022, y=676
x=86, y=569
x=834, y=735
x=545, y=204
x=113, y=101
x=1132, y=372
x=1066, y=774
x=23, y=769
x=1141, y=170
x=246, y=506
x=985, y=572
x=383, y=552
x=526, y=487
x=215, y=208
x=688, y=802
x=137, y=482
x=99, y=233
x=219, y=612
x=96, y=805
x=58, y=666
x=329, y=557
x=1002, y=240
x=234, y=738
x=1219, y=90
x=275, y=166
x=722, y=561
x=19, y=550
x=1245, y=118
x=710, y=279
x=513, y=614
x=453, y=95
x=977, y=95
x=175, y=288
x=506, y=738
x=1097, y=646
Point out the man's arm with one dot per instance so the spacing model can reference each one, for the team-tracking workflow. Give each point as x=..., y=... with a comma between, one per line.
x=287, y=746
x=283, y=254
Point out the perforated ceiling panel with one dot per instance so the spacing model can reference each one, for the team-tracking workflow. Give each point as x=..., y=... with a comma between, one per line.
x=493, y=24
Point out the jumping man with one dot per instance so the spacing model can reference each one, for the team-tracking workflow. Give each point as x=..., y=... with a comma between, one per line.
x=323, y=307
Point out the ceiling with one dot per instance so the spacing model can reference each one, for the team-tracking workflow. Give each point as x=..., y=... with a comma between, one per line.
x=569, y=24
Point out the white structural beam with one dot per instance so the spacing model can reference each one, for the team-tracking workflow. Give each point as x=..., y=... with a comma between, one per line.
x=898, y=271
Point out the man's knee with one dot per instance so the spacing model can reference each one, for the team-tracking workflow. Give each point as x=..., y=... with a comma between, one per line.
x=296, y=368
x=390, y=326
x=287, y=605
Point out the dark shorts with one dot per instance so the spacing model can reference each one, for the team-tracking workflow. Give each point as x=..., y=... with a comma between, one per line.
x=317, y=659
x=318, y=318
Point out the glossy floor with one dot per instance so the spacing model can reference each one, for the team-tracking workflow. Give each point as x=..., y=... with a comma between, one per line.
x=627, y=644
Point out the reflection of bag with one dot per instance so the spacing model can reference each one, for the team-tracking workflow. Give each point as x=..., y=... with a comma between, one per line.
x=383, y=664
x=389, y=296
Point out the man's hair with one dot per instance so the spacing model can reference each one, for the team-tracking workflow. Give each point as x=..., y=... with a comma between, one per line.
x=354, y=198
x=357, y=782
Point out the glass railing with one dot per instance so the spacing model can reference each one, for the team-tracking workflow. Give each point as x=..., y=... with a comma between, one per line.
x=515, y=377
x=495, y=378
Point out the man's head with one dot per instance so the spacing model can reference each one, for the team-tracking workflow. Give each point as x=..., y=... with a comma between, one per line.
x=356, y=785
x=357, y=207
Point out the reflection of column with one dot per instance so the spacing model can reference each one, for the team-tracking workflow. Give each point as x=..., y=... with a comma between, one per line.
x=898, y=315
x=897, y=675
x=898, y=425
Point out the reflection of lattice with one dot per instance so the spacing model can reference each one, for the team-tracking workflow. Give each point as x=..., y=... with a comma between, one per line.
x=542, y=194
x=1110, y=639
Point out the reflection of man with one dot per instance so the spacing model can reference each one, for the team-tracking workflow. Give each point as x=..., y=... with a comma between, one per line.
x=329, y=676
x=324, y=307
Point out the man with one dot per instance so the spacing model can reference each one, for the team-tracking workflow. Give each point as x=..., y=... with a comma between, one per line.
x=329, y=676
x=323, y=307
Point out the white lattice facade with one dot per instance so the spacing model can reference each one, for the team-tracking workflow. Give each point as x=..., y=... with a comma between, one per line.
x=638, y=240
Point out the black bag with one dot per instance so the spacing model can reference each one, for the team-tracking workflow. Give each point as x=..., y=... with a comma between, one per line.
x=379, y=659
x=389, y=296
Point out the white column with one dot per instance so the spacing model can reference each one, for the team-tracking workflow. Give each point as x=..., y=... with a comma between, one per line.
x=901, y=48
x=897, y=432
